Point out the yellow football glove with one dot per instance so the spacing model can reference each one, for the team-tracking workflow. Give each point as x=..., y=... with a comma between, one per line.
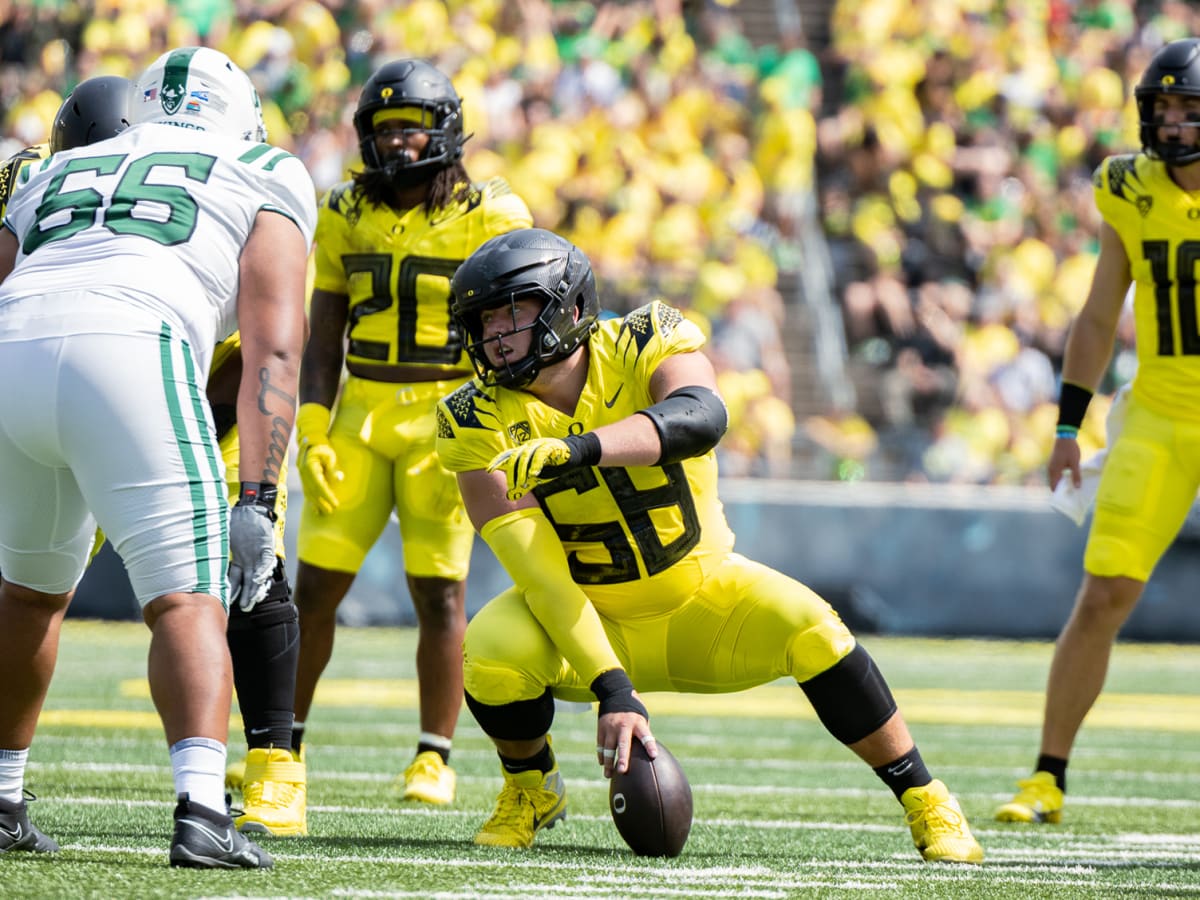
x=317, y=459
x=544, y=459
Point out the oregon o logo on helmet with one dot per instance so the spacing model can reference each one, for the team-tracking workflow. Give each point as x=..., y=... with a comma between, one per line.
x=386, y=93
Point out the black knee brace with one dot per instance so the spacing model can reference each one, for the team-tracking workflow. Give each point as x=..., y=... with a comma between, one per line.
x=522, y=720
x=851, y=698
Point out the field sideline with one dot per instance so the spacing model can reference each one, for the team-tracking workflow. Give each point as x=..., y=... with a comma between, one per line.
x=781, y=809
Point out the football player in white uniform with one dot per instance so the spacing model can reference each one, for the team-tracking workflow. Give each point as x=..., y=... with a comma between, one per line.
x=125, y=262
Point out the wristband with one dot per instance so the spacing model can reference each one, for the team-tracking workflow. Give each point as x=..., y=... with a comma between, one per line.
x=585, y=448
x=1073, y=402
x=1066, y=431
x=312, y=419
x=614, y=690
x=259, y=493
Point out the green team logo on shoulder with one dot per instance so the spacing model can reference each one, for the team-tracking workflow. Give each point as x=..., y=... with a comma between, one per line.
x=174, y=82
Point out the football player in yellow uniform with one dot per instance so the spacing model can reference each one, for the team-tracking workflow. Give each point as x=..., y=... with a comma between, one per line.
x=585, y=458
x=1150, y=203
x=387, y=244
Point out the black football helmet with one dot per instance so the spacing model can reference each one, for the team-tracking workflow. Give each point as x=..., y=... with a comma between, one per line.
x=97, y=109
x=530, y=263
x=412, y=83
x=1174, y=69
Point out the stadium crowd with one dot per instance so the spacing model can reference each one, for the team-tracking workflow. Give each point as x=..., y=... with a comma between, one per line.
x=950, y=147
x=954, y=182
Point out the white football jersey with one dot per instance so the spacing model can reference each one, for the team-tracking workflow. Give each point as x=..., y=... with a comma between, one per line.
x=158, y=215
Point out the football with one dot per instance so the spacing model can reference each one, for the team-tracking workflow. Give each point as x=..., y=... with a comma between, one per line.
x=651, y=803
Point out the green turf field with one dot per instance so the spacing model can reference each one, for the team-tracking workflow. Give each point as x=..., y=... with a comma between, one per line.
x=781, y=809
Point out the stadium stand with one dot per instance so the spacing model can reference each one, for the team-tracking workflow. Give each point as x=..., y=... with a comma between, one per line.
x=879, y=209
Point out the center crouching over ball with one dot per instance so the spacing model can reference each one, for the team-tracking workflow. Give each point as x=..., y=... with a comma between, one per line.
x=651, y=803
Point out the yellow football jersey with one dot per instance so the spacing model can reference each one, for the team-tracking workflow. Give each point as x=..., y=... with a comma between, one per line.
x=395, y=268
x=1159, y=225
x=641, y=539
x=225, y=349
x=12, y=168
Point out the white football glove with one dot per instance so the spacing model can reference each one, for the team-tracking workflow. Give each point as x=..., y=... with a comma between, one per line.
x=252, y=554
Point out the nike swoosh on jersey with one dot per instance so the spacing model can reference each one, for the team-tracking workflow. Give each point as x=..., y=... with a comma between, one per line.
x=609, y=403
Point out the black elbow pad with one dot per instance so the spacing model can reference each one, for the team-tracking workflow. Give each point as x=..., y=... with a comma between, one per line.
x=690, y=422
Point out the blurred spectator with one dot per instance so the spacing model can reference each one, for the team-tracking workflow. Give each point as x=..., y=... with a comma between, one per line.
x=985, y=122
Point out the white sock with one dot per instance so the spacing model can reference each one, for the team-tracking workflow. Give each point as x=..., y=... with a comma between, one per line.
x=434, y=740
x=12, y=774
x=198, y=766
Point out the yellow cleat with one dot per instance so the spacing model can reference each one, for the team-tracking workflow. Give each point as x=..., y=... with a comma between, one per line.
x=528, y=802
x=429, y=780
x=274, y=793
x=939, y=828
x=1038, y=800
x=235, y=775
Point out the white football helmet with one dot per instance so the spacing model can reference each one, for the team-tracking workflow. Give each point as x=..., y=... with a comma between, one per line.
x=202, y=89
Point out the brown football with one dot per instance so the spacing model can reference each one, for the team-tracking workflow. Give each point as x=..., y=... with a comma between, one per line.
x=651, y=803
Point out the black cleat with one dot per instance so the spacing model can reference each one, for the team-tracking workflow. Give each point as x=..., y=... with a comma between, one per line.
x=206, y=839
x=18, y=833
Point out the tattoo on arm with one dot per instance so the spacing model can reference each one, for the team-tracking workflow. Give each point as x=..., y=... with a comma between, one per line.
x=280, y=432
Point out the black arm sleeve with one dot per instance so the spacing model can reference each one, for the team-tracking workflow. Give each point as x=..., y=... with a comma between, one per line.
x=690, y=422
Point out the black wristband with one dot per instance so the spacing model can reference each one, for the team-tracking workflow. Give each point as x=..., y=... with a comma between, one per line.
x=614, y=690
x=585, y=451
x=585, y=448
x=1073, y=402
x=259, y=493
